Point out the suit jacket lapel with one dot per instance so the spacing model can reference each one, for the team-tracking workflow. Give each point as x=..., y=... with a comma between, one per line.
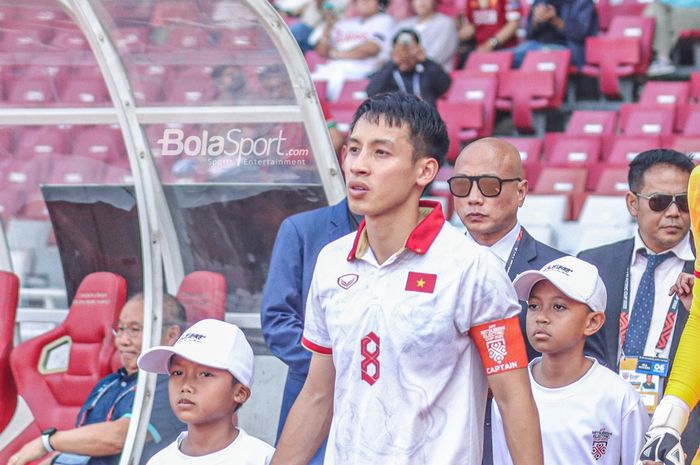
x=619, y=264
x=339, y=221
x=527, y=252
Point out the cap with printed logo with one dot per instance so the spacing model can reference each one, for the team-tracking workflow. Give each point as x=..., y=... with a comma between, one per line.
x=577, y=279
x=211, y=343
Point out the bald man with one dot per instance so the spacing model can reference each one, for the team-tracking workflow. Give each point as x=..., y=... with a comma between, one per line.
x=488, y=188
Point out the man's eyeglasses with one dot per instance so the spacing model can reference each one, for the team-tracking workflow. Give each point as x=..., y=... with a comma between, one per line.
x=489, y=186
x=660, y=202
x=132, y=331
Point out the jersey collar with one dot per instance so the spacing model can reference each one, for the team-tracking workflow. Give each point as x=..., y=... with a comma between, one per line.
x=420, y=239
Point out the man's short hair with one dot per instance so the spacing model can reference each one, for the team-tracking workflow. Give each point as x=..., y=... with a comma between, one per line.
x=645, y=160
x=173, y=311
x=403, y=32
x=427, y=130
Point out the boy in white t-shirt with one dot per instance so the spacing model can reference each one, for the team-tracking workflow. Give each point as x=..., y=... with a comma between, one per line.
x=211, y=370
x=588, y=414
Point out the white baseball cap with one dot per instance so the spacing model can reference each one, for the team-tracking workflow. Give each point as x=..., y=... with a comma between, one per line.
x=577, y=279
x=212, y=343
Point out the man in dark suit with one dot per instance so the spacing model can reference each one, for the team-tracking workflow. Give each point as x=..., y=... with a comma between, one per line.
x=642, y=269
x=488, y=188
x=491, y=216
x=299, y=241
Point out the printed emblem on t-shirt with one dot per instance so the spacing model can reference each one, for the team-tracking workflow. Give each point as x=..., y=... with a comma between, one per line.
x=600, y=443
x=347, y=280
x=494, y=336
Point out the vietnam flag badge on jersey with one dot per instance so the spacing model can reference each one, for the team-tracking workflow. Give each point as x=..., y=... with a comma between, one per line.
x=421, y=282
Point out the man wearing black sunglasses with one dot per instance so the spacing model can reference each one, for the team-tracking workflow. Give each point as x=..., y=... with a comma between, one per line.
x=488, y=188
x=642, y=319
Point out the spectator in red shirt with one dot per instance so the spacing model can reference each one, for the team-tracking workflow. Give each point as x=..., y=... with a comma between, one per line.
x=487, y=25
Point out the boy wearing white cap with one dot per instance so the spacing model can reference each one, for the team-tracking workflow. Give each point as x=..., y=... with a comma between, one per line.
x=211, y=370
x=588, y=414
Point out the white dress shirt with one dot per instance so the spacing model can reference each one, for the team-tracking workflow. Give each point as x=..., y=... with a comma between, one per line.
x=504, y=245
x=665, y=276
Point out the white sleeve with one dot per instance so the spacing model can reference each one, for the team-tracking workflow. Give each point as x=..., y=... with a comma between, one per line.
x=634, y=425
x=315, y=337
x=379, y=29
x=501, y=454
x=487, y=293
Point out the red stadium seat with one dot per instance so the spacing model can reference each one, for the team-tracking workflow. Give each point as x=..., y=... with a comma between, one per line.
x=190, y=92
x=684, y=144
x=530, y=148
x=623, y=52
x=313, y=59
x=203, y=294
x=24, y=175
x=610, y=180
x=242, y=39
x=563, y=181
x=85, y=91
x=592, y=123
x=77, y=170
x=521, y=92
x=607, y=10
x=688, y=119
x=11, y=202
x=131, y=39
x=180, y=38
x=99, y=143
x=625, y=148
x=32, y=92
x=489, y=62
x=9, y=293
x=169, y=12
x=539, y=84
x=642, y=120
x=571, y=150
x=351, y=96
x=664, y=93
x=70, y=40
x=464, y=121
x=118, y=175
x=21, y=37
x=37, y=141
x=55, y=394
x=475, y=87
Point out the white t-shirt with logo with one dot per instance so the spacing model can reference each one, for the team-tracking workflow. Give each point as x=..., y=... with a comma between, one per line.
x=597, y=420
x=244, y=450
x=410, y=386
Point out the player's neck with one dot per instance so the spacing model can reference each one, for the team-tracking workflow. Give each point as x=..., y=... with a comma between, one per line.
x=203, y=439
x=388, y=232
x=561, y=369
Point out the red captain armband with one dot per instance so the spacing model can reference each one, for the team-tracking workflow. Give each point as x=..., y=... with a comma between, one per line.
x=501, y=345
x=313, y=347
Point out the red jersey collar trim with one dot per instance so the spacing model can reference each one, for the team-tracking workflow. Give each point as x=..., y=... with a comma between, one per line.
x=420, y=239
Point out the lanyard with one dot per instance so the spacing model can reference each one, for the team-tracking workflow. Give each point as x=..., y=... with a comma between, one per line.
x=99, y=396
x=415, y=83
x=514, y=250
x=669, y=321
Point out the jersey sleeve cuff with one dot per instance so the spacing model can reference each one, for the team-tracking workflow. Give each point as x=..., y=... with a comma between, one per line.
x=315, y=348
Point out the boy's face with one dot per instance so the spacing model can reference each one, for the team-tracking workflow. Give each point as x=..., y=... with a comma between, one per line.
x=557, y=324
x=380, y=172
x=203, y=395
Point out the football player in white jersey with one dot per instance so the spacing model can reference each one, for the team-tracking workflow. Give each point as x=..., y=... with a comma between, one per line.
x=409, y=323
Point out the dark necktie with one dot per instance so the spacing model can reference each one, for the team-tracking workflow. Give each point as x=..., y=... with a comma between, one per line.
x=643, y=308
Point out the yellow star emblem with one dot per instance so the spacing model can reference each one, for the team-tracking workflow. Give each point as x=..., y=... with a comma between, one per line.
x=420, y=283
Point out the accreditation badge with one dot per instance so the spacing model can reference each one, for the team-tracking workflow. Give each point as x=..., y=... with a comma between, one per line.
x=646, y=375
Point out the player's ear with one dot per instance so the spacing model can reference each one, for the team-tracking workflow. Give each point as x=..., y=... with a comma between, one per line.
x=594, y=322
x=241, y=393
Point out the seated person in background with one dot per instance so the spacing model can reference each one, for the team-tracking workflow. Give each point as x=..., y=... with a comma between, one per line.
x=102, y=423
x=671, y=17
x=310, y=17
x=409, y=71
x=355, y=46
x=559, y=24
x=487, y=25
x=605, y=418
x=437, y=32
x=211, y=373
x=230, y=83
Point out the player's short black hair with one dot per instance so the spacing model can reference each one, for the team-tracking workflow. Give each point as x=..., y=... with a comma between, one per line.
x=427, y=130
x=645, y=160
x=383, y=4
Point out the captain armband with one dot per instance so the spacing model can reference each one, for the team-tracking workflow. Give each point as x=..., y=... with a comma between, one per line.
x=501, y=345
